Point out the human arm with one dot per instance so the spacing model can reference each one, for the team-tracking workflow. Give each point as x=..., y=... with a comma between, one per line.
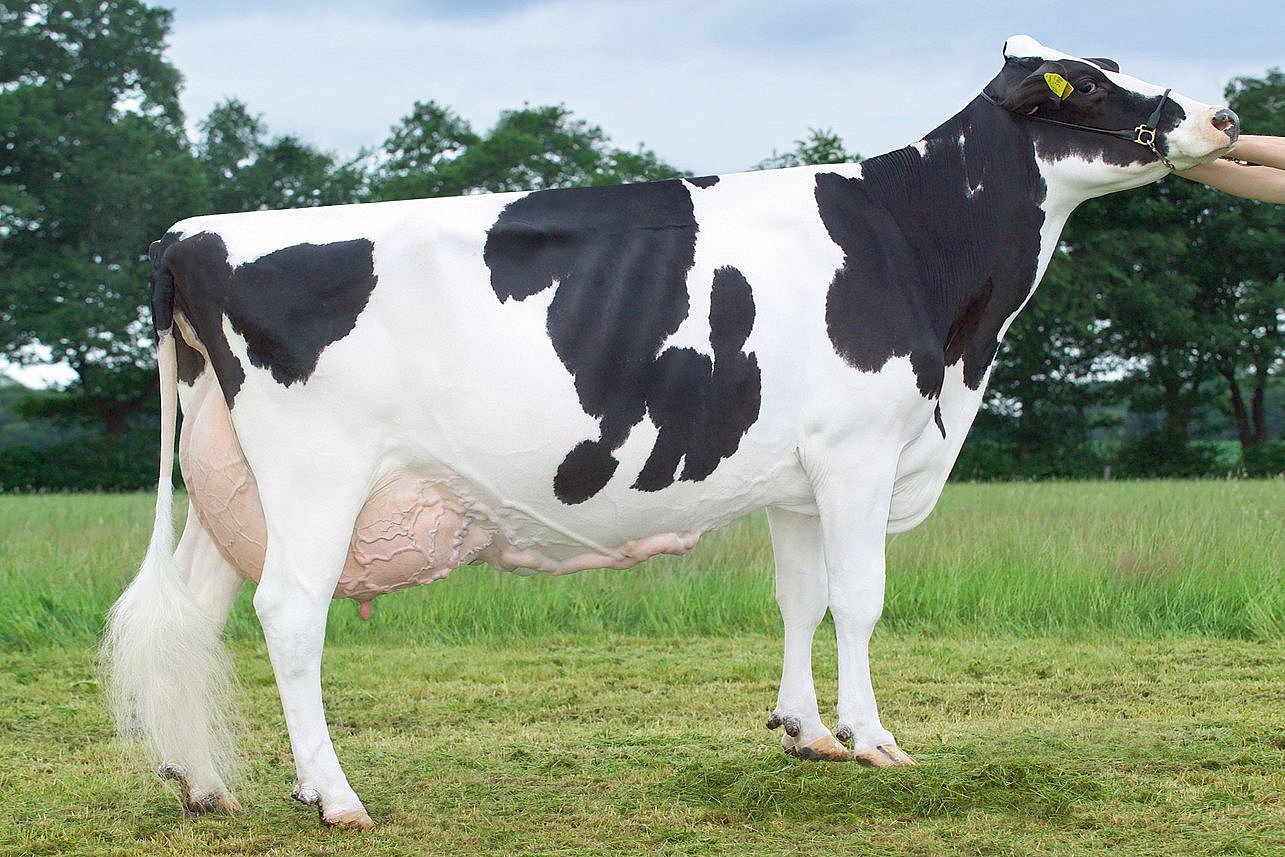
x=1258, y=149
x=1263, y=179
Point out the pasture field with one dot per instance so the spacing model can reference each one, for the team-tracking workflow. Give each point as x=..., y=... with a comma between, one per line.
x=1079, y=668
x=1133, y=558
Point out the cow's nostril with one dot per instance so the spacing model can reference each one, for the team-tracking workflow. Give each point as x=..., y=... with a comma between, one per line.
x=1227, y=121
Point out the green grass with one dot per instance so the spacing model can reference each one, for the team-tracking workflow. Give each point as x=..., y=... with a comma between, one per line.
x=1079, y=668
x=1143, y=558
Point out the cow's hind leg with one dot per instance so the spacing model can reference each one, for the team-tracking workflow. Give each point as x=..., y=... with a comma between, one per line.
x=801, y=594
x=854, y=527
x=213, y=584
x=308, y=539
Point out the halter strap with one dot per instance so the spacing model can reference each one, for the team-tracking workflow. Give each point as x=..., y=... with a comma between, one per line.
x=1144, y=135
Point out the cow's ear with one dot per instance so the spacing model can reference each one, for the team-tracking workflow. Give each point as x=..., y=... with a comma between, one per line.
x=1043, y=88
x=1103, y=62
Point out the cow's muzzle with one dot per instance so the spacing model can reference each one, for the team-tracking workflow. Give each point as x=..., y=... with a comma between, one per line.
x=1226, y=120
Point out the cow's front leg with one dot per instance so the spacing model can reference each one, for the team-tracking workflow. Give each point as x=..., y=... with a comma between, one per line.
x=854, y=522
x=801, y=594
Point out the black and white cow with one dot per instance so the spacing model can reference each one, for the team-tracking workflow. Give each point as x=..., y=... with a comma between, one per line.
x=570, y=379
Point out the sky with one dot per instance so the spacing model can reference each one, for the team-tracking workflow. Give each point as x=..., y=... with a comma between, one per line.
x=711, y=86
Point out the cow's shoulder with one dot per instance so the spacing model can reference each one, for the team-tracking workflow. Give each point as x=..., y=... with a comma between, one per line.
x=941, y=242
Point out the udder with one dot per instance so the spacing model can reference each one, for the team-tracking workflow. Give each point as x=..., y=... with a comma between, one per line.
x=411, y=530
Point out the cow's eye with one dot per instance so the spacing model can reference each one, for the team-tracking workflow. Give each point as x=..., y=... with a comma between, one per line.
x=1086, y=86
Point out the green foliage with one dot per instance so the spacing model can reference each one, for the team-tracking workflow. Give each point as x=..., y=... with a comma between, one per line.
x=419, y=155
x=1163, y=455
x=434, y=152
x=21, y=420
x=1266, y=459
x=1260, y=102
x=1044, y=399
x=93, y=164
x=819, y=147
x=245, y=171
x=93, y=463
x=993, y=454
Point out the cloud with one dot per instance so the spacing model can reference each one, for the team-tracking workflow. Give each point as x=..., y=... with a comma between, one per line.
x=711, y=87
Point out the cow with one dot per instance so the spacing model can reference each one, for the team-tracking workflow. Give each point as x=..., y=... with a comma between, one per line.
x=375, y=395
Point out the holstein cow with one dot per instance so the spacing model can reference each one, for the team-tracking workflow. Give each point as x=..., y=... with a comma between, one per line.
x=571, y=379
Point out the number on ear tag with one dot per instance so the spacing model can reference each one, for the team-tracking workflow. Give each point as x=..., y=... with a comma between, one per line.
x=1060, y=86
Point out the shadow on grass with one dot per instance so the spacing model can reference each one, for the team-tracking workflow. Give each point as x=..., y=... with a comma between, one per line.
x=942, y=785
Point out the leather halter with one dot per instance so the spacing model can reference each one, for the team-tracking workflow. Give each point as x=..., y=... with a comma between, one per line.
x=1144, y=135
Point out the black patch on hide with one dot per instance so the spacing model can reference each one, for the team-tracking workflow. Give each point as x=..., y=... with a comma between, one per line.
x=703, y=408
x=939, y=249
x=289, y=305
x=620, y=257
x=704, y=181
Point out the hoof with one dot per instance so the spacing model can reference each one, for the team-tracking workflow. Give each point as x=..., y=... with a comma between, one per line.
x=824, y=749
x=199, y=802
x=353, y=819
x=885, y=756
x=349, y=819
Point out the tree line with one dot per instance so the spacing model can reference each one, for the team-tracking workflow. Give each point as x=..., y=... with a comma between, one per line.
x=1159, y=325
x=1161, y=322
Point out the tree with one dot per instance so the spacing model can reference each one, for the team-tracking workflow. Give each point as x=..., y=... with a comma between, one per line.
x=819, y=147
x=1046, y=387
x=1190, y=285
x=1240, y=259
x=245, y=171
x=420, y=152
x=1134, y=247
x=434, y=152
x=93, y=165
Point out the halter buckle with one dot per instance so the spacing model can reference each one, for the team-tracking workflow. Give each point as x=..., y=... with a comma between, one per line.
x=1145, y=136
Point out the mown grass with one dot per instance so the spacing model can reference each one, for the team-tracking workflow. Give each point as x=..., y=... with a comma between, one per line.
x=1141, y=559
x=654, y=745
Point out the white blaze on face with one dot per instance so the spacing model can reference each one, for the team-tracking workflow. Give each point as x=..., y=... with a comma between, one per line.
x=1195, y=140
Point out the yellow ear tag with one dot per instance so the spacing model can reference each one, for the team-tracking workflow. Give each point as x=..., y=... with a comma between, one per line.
x=1060, y=86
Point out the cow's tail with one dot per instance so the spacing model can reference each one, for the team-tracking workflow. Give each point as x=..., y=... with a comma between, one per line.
x=168, y=675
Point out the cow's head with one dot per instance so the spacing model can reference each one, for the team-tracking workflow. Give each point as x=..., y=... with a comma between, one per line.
x=1085, y=115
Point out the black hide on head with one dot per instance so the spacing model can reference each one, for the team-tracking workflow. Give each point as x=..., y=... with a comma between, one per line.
x=1022, y=89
